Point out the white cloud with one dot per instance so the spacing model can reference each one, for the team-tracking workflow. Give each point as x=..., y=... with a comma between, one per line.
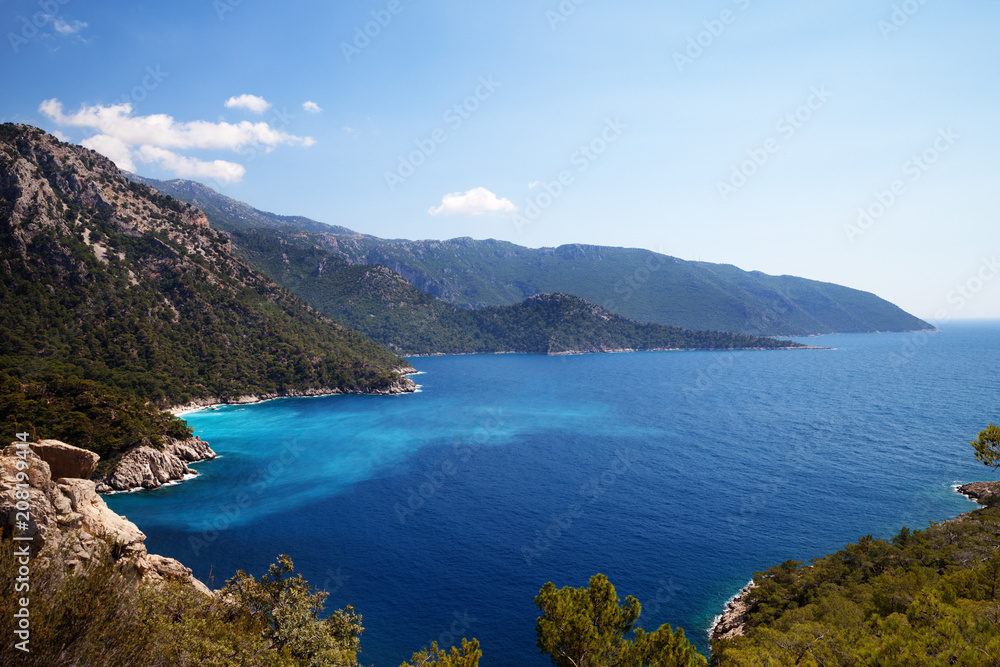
x=113, y=148
x=220, y=170
x=534, y=184
x=472, y=202
x=251, y=103
x=311, y=107
x=64, y=28
x=125, y=138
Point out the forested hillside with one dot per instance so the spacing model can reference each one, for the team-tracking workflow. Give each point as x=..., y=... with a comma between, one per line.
x=119, y=300
x=638, y=284
x=379, y=303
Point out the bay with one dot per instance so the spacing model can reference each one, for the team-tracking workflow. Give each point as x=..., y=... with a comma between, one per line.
x=440, y=514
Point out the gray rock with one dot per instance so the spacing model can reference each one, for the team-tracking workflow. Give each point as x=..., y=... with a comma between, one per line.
x=148, y=468
x=66, y=460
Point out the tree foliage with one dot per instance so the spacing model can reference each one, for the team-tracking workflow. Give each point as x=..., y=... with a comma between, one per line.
x=114, y=292
x=587, y=627
x=929, y=597
x=380, y=304
x=987, y=446
x=289, y=610
x=467, y=656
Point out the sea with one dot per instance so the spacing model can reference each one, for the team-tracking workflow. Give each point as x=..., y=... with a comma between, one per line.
x=439, y=515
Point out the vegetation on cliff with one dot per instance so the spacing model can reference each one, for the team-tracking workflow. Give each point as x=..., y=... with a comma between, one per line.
x=113, y=292
x=928, y=597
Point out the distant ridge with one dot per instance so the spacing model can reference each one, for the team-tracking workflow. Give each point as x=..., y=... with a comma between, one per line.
x=638, y=284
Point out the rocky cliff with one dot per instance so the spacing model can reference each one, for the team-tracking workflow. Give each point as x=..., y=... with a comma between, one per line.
x=67, y=518
x=148, y=468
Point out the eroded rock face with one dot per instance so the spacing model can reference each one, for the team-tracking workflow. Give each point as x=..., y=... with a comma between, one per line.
x=148, y=468
x=66, y=460
x=190, y=450
x=67, y=518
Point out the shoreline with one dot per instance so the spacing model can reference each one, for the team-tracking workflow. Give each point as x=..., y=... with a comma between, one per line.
x=624, y=350
x=404, y=386
x=731, y=622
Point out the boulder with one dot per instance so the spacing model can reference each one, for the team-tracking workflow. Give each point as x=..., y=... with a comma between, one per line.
x=66, y=460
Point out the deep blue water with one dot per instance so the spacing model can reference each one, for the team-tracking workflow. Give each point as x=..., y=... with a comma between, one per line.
x=677, y=474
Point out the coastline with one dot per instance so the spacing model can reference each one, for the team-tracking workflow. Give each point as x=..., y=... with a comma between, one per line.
x=403, y=386
x=624, y=350
x=732, y=621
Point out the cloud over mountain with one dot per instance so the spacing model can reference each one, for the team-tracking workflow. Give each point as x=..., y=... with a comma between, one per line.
x=472, y=202
x=159, y=138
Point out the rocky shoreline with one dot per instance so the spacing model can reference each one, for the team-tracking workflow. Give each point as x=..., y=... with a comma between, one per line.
x=148, y=468
x=732, y=621
x=981, y=492
x=68, y=520
x=402, y=385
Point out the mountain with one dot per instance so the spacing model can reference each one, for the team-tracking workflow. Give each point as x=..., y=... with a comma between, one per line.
x=119, y=301
x=638, y=284
x=379, y=303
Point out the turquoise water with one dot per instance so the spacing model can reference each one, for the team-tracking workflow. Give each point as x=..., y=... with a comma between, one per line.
x=678, y=474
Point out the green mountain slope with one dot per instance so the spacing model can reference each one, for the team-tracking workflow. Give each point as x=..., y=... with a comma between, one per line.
x=116, y=295
x=381, y=304
x=638, y=284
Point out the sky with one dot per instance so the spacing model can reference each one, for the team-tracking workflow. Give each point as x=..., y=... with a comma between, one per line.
x=847, y=141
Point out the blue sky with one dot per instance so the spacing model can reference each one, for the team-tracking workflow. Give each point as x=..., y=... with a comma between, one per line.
x=847, y=141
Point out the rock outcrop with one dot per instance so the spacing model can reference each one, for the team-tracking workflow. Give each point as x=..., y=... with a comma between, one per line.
x=68, y=519
x=732, y=622
x=66, y=460
x=982, y=492
x=148, y=468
